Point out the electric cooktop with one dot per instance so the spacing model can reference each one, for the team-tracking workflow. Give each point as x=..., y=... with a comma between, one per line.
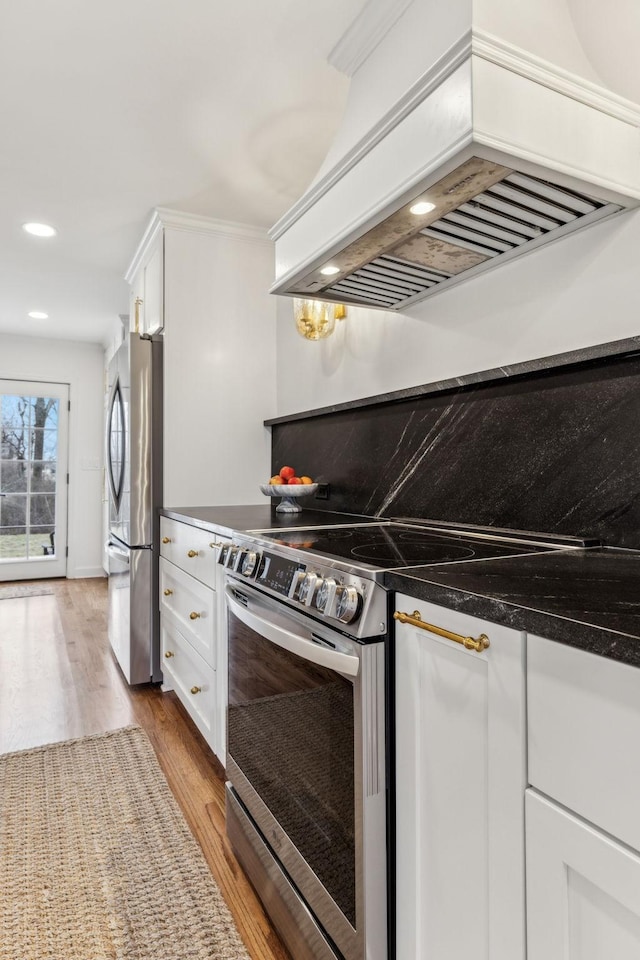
x=385, y=546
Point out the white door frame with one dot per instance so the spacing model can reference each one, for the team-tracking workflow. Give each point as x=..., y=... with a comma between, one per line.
x=38, y=567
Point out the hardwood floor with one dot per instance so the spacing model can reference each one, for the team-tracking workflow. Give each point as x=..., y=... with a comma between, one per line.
x=58, y=680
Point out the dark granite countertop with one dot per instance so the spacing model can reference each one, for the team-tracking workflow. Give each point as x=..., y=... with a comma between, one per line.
x=585, y=598
x=259, y=516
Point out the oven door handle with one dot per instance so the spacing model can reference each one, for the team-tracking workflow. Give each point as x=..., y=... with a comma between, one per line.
x=293, y=642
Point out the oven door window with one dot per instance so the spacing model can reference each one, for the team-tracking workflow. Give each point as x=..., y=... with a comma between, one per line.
x=291, y=732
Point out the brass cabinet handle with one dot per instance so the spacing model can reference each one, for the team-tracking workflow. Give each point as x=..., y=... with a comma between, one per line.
x=168, y=592
x=214, y=545
x=469, y=643
x=168, y=654
x=193, y=615
x=166, y=539
x=195, y=690
x=192, y=553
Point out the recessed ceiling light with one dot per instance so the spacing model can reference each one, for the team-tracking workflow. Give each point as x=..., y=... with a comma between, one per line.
x=38, y=315
x=329, y=271
x=39, y=229
x=423, y=206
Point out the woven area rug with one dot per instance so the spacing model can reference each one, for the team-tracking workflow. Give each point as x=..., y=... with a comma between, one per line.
x=13, y=591
x=97, y=861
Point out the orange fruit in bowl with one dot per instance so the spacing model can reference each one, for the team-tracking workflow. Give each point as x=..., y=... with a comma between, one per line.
x=294, y=480
x=276, y=479
x=306, y=480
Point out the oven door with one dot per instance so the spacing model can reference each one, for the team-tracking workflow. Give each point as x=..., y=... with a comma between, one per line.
x=305, y=751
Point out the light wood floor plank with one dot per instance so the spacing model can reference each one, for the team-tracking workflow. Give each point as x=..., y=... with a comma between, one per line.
x=58, y=679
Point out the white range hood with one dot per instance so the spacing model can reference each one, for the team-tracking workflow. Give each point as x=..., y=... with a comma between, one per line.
x=511, y=149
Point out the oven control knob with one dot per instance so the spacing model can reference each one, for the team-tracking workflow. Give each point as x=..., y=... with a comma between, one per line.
x=250, y=562
x=295, y=590
x=308, y=588
x=235, y=558
x=325, y=598
x=349, y=604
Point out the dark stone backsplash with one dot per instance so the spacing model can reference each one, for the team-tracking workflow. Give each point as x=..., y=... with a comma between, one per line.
x=556, y=451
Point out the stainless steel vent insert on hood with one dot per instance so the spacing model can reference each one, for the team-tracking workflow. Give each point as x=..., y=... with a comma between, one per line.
x=513, y=151
x=514, y=213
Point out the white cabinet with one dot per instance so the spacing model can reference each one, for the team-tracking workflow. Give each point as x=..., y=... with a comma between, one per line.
x=584, y=731
x=204, y=286
x=146, y=311
x=583, y=868
x=191, y=548
x=193, y=628
x=583, y=889
x=460, y=781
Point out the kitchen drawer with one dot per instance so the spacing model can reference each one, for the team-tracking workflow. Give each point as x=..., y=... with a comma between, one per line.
x=192, y=606
x=584, y=730
x=190, y=677
x=193, y=550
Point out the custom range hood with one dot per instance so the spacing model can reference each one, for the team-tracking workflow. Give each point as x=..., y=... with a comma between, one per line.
x=456, y=110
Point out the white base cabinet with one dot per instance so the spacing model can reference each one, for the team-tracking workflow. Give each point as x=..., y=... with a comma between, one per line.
x=583, y=889
x=583, y=835
x=460, y=782
x=193, y=626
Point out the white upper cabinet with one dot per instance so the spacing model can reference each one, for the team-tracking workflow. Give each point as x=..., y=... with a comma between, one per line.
x=460, y=781
x=204, y=285
x=146, y=276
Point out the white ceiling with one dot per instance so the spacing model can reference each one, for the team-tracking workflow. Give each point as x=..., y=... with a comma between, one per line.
x=108, y=110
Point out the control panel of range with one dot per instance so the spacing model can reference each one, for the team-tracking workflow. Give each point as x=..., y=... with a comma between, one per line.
x=323, y=591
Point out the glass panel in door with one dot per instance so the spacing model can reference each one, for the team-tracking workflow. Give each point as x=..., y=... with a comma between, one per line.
x=33, y=472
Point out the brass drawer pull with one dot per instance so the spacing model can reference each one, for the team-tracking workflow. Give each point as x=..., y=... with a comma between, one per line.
x=195, y=690
x=166, y=539
x=215, y=545
x=169, y=654
x=469, y=643
x=168, y=592
x=194, y=616
x=192, y=553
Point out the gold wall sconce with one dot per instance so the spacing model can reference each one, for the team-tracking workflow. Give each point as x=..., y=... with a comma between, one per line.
x=316, y=319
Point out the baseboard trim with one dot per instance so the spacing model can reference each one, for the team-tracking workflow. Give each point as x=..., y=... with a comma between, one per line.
x=84, y=573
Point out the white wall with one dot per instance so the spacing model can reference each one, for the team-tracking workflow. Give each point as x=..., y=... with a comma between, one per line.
x=81, y=366
x=219, y=367
x=579, y=291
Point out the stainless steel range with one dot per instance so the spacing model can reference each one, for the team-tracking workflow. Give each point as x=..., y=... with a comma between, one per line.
x=309, y=659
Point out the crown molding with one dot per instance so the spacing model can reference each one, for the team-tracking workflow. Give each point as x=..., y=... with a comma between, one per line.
x=447, y=64
x=163, y=217
x=528, y=65
x=152, y=230
x=365, y=33
x=221, y=228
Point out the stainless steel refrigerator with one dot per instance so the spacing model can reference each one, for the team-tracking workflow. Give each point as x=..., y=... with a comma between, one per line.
x=134, y=480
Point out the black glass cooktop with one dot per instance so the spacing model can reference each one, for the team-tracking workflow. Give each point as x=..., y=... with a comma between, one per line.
x=385, y=546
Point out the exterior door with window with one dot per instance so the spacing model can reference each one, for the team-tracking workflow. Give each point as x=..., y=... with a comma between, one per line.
x=33, y=479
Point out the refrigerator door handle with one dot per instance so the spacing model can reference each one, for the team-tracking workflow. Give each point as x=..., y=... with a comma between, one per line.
x=117, y=553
